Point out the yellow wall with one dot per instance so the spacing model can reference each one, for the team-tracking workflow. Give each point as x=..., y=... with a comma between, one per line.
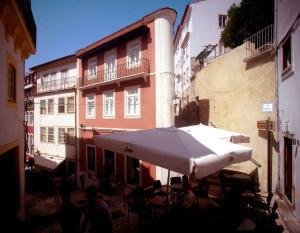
x=236, y=91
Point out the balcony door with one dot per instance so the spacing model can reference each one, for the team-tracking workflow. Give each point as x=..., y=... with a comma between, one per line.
x=110, y=66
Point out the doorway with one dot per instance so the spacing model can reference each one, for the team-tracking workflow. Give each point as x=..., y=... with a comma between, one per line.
x=109, y=163
x=9, y=179
x=288, y=168
x=133, y=171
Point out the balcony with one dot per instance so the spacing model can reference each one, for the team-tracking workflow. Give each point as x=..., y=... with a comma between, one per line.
x=25, y=10
x=260, y=43
x=56, y=85
x=118, y=73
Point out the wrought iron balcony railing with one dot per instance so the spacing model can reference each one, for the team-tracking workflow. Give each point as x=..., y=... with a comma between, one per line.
x=25, y=9
x=55, y=85
x=260, y=42
x=119, y=72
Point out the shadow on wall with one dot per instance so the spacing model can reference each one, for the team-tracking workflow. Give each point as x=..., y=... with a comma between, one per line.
x=193, y=113
x=259, y=61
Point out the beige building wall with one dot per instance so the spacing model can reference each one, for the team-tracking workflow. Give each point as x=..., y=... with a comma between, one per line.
x=235, y=92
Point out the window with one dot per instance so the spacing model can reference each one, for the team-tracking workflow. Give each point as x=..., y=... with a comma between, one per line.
x=61, y=105
x=92, y=68
x=222, y=21
x=90, y=106
x=50, y=106
x=12, y=84
x=286, y=55
x=64, y=78
x=61, y=136
x=71, y=136
x=64, y=75
x=30, y=144
x=30, y=118
x=43, y=106
x=110, y=66
x=91, y=158
x=109, y=104
x=70, y=104
x=43, y=137
x=51, y=134
x=133, y=53
x=132, y=102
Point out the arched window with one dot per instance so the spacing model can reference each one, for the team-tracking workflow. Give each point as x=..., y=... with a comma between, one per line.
x=12, y=84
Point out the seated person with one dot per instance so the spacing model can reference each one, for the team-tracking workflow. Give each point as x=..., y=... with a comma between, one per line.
x=188, y=197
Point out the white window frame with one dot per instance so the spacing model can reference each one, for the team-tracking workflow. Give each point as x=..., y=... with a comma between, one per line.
x=113, y=98
x=91, y=75
x=129, y=46
x=52, y=106
x=58, y=105
x=110, y=75
x=45, y=134
x=72, y=110
x=92, y=116
x=221, y=21
x=43, y=107
x=126, y=114
x=48, y=134
x=58, y=135
x=30, y=150
x=86, y=156
x=286, y=71
x=30, y=118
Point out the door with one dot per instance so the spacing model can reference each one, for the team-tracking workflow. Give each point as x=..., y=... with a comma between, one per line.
x=288, y=168
x=109, y=162
x=110, y=66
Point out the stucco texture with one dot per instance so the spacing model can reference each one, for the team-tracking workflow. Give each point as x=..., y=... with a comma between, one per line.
x=235, y=91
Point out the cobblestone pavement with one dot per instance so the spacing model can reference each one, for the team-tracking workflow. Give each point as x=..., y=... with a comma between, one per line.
x=43, y=217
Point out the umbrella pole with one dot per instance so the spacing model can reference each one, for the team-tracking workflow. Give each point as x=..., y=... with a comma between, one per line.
x=168, y=185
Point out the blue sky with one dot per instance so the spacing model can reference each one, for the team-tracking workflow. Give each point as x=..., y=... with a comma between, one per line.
x=64, y=26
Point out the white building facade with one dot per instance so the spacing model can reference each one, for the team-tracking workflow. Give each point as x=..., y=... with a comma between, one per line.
x=199, y=31
x=287, y=23
x=17, y=43
x=55, y=114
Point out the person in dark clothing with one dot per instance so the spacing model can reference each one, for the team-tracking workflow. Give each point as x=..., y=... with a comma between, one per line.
x=69, y=214
x=97, y=216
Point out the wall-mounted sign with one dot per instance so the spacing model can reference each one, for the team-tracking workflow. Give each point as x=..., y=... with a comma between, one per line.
x=265, y=125
x=267, y=107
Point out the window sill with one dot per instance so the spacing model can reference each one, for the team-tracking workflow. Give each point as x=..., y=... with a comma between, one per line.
x=90, y=117
x=287, y=72
x=108, y=117
x=134, y=117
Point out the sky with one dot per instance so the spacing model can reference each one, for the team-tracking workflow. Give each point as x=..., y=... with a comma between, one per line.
x=65, y=26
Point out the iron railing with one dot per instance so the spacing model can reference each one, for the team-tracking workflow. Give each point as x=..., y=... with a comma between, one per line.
x=260, y=42
x=118, y=72
x=55, y=85
x=25, y=10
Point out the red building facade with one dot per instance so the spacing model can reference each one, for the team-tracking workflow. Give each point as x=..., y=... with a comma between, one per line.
x=126, y=83
x=29, y=91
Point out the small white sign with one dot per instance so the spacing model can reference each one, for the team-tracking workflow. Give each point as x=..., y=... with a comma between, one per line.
x=267, y=107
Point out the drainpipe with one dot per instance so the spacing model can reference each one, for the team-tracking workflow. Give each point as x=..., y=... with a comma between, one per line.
x=276, y=99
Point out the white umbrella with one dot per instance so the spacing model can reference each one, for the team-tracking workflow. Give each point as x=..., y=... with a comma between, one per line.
x=216, y=133
x=176, y=150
